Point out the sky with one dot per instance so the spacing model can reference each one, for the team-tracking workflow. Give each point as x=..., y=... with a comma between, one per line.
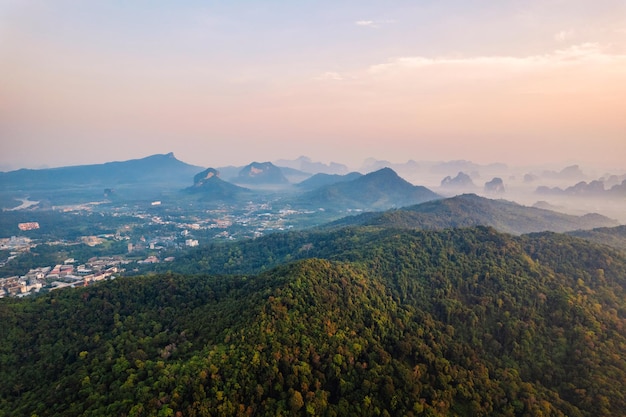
x=227, y=83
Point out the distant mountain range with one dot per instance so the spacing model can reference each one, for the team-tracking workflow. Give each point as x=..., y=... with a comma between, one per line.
x=379, y=190
x=160, y=176
x=155, y=169
x=163, y=177
x=439, y=168
x=586, y=189
x=471, y=210
x=321, y=180
x=305, y=164
x=137, y=178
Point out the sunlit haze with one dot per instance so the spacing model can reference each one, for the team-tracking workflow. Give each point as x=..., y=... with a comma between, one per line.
x=221, y=83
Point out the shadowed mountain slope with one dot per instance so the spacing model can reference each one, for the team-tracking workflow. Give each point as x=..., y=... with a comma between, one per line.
x=471, y=210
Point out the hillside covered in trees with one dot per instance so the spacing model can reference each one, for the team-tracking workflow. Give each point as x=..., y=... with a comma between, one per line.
x=357, y=321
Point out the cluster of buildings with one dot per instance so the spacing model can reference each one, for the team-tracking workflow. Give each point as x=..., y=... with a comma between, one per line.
x=61, y=276
x=147, y=232
x=28, y=226
x=15, y=243
x=17, y=286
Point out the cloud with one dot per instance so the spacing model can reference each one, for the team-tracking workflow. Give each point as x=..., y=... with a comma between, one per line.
x=330, y=75
x=575, y=91
x=564, y=35
x=375, y=24
x=573, y=55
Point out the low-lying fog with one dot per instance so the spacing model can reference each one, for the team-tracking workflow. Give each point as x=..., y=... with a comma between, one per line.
x=573, y=189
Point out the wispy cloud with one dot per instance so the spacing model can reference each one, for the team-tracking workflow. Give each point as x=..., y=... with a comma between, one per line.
x=564, y=35
x=374, y=24
x=330, y=75
x=570, y=56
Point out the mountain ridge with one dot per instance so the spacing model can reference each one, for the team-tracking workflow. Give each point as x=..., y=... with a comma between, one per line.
x=471, y=210
x=157, y=167
x=323, y=179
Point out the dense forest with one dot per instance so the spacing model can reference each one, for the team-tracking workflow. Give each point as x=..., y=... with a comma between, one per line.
x=357, y=321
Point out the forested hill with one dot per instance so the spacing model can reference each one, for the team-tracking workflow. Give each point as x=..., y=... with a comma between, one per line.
x=346, y=244
x=461, y=322
x=471, y=210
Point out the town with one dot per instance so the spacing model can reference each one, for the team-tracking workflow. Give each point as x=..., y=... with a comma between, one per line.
x=61, y=276
x=120, y=239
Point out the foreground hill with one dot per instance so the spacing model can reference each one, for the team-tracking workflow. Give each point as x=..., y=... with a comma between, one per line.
x=471, y=210
x=377, y=190
x=460, y=322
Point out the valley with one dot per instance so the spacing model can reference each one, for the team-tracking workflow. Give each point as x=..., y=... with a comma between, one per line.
x=341, y=294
